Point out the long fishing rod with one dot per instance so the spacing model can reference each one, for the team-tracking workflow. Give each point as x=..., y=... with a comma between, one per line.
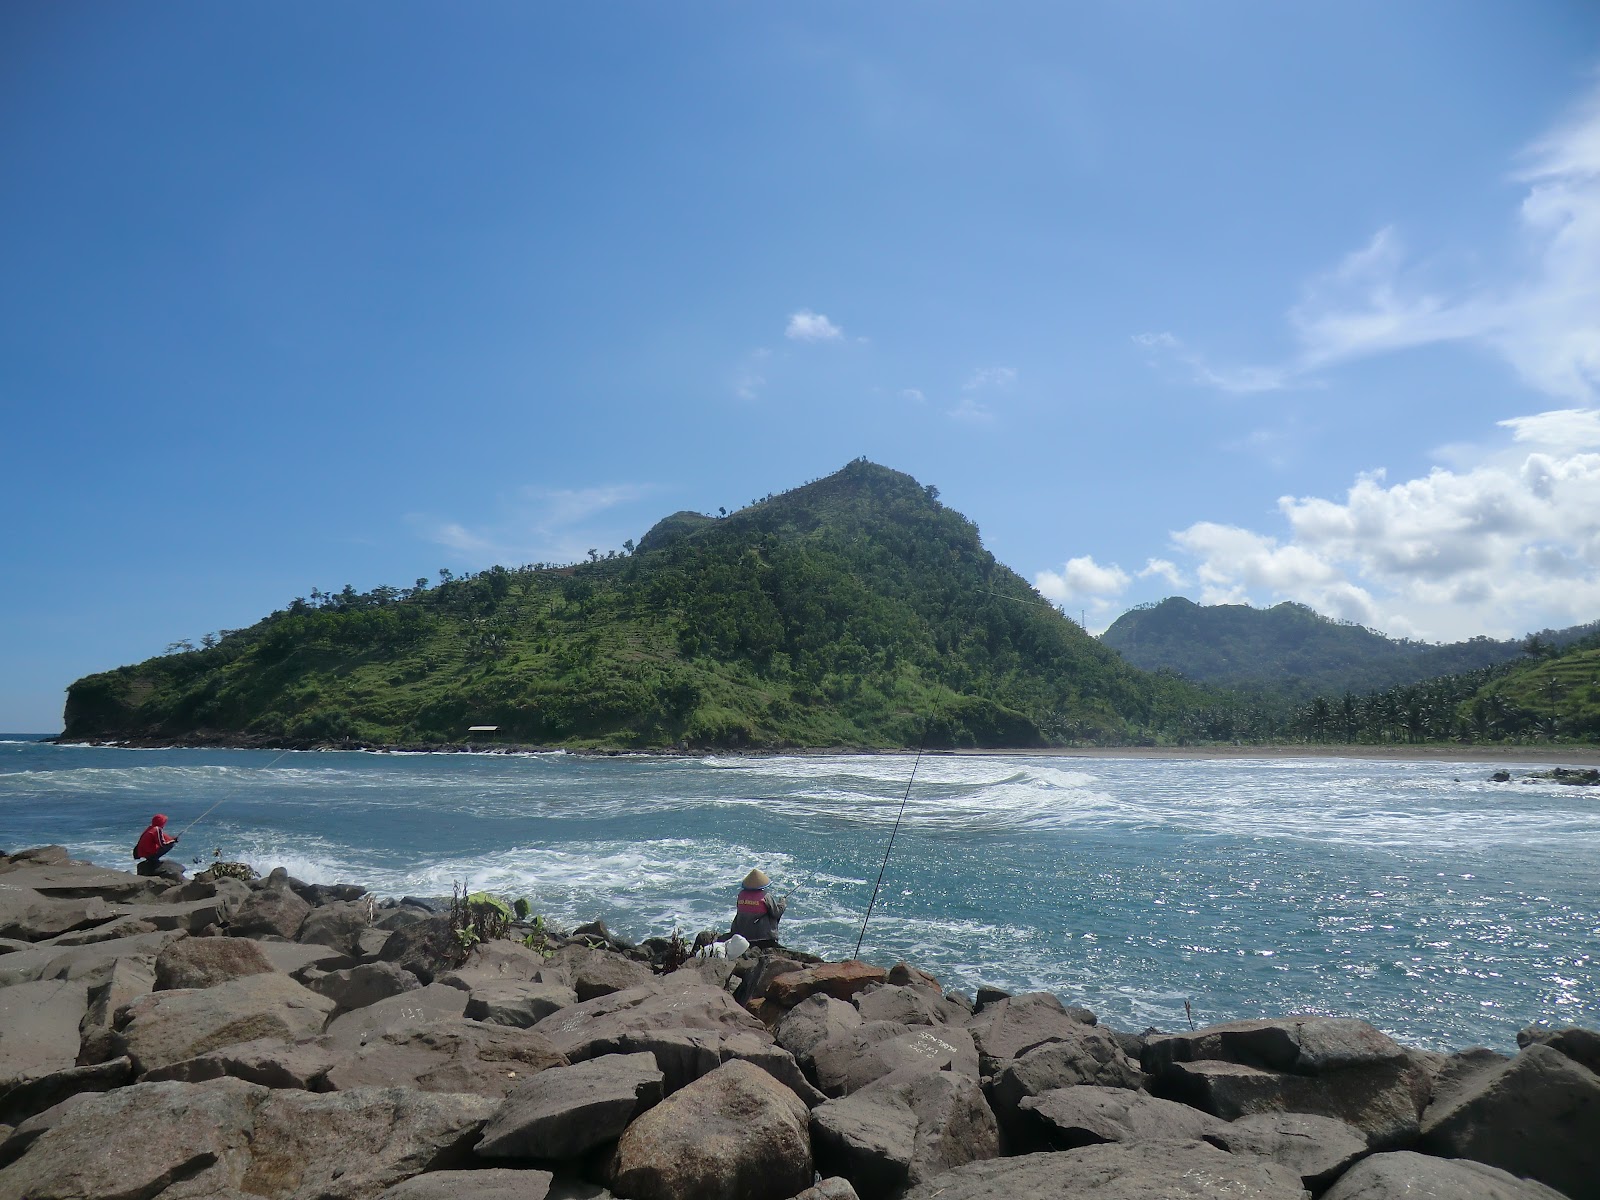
x=890, y=848
x=226, y=798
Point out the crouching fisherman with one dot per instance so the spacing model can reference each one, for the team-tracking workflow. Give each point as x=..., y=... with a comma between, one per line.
x=153, y=843
x=758, y=912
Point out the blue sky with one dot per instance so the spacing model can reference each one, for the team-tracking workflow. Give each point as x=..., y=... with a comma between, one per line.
x=1240, y=301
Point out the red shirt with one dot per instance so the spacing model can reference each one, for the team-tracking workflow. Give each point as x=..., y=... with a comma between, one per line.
x=152, y=841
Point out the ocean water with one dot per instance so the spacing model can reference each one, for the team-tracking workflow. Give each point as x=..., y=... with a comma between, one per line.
x=1444, y=909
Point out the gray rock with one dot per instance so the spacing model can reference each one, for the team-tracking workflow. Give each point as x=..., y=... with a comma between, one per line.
x=426, y=948
x=1537, y=1116
x=201, y=962
x=292, y=957
x=435, y=1002
x=903, y=974
x=1117, y=1171
x=1009, y=1027
x=1318, y=1149
x=447, y=1056
x=565, y=1111
x=30, y=917
x=1327, y=1066
x=1387, y=1176
x=835, y=1188
x=603, y=974
x=1459, y=1072
x=190, y=916
x=272, y=909
x=736, y=1134
x=1580, y=1045
x=855, y=1058
x=903, y=1130
x=168, y=1027
x=268, y=1062
x=52, y=962
x=39, y=856
x=39, y=1029
x=338, y=925
x=120, y=928
x=662, y=1004
x=364, y=985
x=29, y=1098
x=1090, y=1055
x=80, y=881
x=494, y=1183
x=909, y=1005
x=1070, y=1117
x=517, y=1003
x=814, y=1021
x=117, y=983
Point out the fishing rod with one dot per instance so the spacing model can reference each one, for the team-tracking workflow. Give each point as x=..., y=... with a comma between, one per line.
x=226, y=798
x=890, y=849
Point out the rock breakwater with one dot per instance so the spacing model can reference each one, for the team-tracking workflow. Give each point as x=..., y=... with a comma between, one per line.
x=221, y=1037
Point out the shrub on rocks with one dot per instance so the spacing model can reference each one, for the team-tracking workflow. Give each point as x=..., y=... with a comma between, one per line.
x=736, y=1134
x=202, y=962
x=902, y=1130
x=426, y=948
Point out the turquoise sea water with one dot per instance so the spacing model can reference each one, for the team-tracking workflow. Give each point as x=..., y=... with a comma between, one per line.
x=1446, y=910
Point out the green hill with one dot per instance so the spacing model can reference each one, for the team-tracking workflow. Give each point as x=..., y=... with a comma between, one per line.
x=1288, y=650
x=854, y=611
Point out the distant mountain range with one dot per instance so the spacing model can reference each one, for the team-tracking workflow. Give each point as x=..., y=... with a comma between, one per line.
x=1291, y=652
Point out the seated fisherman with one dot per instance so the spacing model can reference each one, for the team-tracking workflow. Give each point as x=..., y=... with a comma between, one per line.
x=153, y=843
x=757, y=911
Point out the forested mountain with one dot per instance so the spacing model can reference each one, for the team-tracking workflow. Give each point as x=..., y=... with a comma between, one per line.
x=1291, y=652
x=854, y=611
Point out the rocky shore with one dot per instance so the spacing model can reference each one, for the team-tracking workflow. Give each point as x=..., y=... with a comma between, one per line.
x=232, y=1038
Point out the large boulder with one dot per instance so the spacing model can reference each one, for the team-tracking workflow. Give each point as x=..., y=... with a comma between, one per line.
x=1012, y=1026
x=495, y=1183
x=54, y=962
x=1580, y=1045
x=902, y=1130
x=274, y=910
x=841, y=980
x=1086, y=1115
x=33, y=1096
x=338, y=925
x=602, y=973
x=364, y=984
x=590, y=1028
x=167, y=1027
x=735, y=1134
x=268, y=1061
x=435, y=1002
x=447, y=1056
x=567, y=1110
x=29, y=917
x=908, y=1004
x=1327, y=1066
x=517, y=1003
x=814, y=1021
x=1404, y=1174
x=1118, y=1171
x=39, y=1033
x=1090, y=1055
x=1318, y=1149
x=1537, y=1116
x=426, y=948
x=856, y=1057
x=201, y=962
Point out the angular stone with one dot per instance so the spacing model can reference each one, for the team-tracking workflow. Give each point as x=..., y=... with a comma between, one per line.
x=1537, y=1116
x=27, y=1099
x=505, y=958
x=274, y=909
x=836, y=1188
x=30, y=917
x=605, y=974
x=1318, y=1149
x=167, y=1027
x=363, y=985
x=1090, y=1055
x=841, y=980
x=268, y=1062
x=52, y=962
x=908, y=1005
x=435, y=1002
x=120, y=928
x=1010, y=1027
x=81, y=881
x=736, y=1134
x=813, y=1021
x=903, y=974
x=1582, y=1046
x=188, y=917
x=39, y=1029
x=1117, y=1171
x=902, y=1130
x=658, y=1005
x=201, y=962
x=1327, y=1066
x=426, y=948
x=1070, y=1117
x=494, y=1183
x=855, y=1058
x=338, y=925
x=447, y=1056
x=516, y=1003
x=568, y=1110
x=1405, y=1174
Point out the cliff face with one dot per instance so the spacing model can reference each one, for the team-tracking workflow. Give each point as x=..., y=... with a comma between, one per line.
x=853, y=611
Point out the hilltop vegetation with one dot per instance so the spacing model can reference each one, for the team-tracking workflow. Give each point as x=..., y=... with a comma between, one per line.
x=854, y=611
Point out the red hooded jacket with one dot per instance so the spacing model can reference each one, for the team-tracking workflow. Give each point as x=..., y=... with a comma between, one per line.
x=153, y=840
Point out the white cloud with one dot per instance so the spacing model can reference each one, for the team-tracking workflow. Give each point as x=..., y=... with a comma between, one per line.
x=1081, y=578
x=1160, y=568
x=991, y=378
x=1571, y=428
x=914, y=395
x=1541, y=312
x=971, y=411
x=808, y=326
x=533, y=524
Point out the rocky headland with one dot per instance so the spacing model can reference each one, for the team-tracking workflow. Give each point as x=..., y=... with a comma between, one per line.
x=231, y=1038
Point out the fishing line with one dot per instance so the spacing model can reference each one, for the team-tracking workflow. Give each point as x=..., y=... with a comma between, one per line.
x=228, y=797
x=892, y=832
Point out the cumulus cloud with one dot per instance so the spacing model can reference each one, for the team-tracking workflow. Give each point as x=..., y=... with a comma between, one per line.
x=1160, y=568
x=1509, y=544
x=1081, y=578
x=990, y=378
x=1540, y=312
x=808, y=326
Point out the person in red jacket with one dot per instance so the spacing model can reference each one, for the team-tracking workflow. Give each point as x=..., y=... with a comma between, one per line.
x=153, y=843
